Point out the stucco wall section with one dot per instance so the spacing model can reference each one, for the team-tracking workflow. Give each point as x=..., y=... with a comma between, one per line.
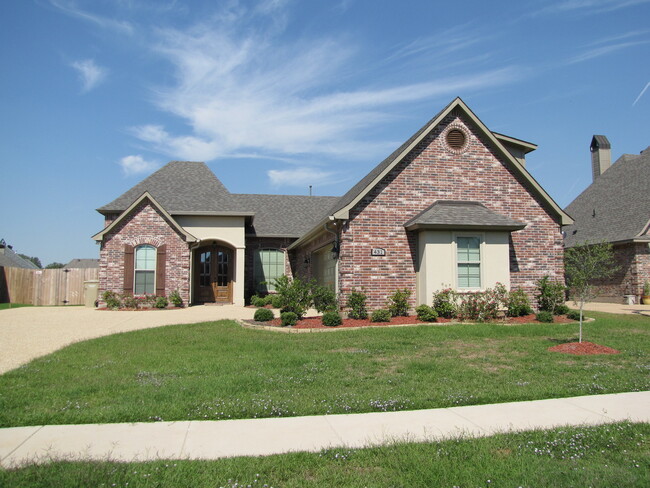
x=429, y=173
x=145, y=225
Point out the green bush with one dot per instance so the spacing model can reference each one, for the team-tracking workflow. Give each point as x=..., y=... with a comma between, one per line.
x=296, y=295
x=175, y=299
x=444, y=303
x=129, y=301
x=161, y=302
x=544, y=316
x=574, y=315
x=398, y=303
x=519, y=303
x=426, y=313
x=332, y=319
x=263, y=315
x=288, y=318
x=561, y=310
x=276, y=301
x=483, y=305
x=356, y=305
x=112, y=300
x=381, y=315
x=257, y=301
x=550, y=294
x=324, y=299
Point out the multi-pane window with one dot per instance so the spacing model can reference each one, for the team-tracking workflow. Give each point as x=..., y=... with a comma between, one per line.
x=145, y=270
x=468, y=259
x=269, y=265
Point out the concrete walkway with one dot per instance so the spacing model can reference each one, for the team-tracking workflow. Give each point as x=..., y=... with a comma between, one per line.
x=260, y=437
x=637, y=309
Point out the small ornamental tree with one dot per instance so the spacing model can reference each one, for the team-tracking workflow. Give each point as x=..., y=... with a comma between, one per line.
x=583, y=265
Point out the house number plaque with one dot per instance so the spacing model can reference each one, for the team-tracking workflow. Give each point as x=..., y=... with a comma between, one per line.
x=378, y=251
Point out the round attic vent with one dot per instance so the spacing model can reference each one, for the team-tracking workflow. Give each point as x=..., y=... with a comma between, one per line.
x=456, y=139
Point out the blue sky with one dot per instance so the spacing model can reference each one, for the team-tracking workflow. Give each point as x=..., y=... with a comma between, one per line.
x=278, y=95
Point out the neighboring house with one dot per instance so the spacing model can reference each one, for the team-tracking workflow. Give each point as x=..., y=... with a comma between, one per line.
x=9, y=259
x=615, y=208
x=454, y=206
x=82, y=264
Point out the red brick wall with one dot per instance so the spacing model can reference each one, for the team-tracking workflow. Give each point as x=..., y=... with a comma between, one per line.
x=433, y=172
x=145, y=225
x=633, y=261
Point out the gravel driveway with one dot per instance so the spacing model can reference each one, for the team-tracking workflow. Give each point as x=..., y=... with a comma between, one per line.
x=30, y=332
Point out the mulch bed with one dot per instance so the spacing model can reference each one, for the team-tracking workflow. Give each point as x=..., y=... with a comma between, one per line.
x=315, y=322
x=583, y=348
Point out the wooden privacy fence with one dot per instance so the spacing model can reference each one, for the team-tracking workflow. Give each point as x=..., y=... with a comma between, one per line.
x=45, y=286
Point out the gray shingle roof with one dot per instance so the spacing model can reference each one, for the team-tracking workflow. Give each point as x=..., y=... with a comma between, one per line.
x=179, y=186
x=615, y=207
x=462, y=215
x=9, y=259
x=284, y=215
x=82, y=263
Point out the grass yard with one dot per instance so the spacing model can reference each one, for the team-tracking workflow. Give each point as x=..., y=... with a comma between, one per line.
x=7, y=306
x=603, y=456
x=219, y=370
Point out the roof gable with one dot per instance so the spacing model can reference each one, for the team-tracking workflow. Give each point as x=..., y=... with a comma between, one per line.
x=145, y=196
x=451, y=214
x=341, y=210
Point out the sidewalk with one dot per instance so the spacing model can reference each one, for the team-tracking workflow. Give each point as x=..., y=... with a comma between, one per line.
x=260, y=437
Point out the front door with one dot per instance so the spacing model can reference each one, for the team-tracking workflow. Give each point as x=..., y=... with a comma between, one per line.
x=213, y=265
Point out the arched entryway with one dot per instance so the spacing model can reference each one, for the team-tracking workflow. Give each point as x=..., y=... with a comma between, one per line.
x=214, y=267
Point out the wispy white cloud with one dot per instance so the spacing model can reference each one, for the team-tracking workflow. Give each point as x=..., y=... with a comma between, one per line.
x=302, y=177
x=70, y=8
x=136, y=164
x=90, y=73
x=588, y=7
x=641, y=94
x=243, y=90
x=609, y=45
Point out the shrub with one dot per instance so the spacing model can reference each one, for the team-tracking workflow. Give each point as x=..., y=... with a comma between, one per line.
x=331, y=319
x=161, y=302
x=381, y=315
x=263, y=315
x=426, y=313
x=112, y=300
x=276, y=301
x=129, y=301
x=444, y=303
x=324, y=299
x=357, y=305
x=574, y=315
x=519, y=304
x=550, y=294
x=175, y=299
x=295, y=295
x=561, y=310
x=257, y=301
x=398, y=304
x=288, y=318
x=544, y=316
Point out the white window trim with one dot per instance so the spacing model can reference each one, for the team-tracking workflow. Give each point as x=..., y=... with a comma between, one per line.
x=135, y=268
x=481, y=237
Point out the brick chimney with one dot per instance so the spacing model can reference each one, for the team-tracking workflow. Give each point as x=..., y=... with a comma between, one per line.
x=601, y=155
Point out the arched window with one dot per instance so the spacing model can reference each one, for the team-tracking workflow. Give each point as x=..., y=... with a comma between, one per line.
x=269, y=265
x=145, y=270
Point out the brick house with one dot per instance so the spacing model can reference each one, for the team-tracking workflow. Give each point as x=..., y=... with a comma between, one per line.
x=615, y=208
x=453, y=206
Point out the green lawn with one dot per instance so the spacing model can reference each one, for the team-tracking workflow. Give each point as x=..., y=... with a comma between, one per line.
x=219, y=370
x=604, y=456
x=7, y=306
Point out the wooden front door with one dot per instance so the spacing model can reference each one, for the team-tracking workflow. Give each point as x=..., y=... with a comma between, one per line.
x=213, y=271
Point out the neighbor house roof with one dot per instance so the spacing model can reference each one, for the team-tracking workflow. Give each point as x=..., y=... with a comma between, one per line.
x=615, y=207
x=9, y=259
x=82, y=263
x=451, y=214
